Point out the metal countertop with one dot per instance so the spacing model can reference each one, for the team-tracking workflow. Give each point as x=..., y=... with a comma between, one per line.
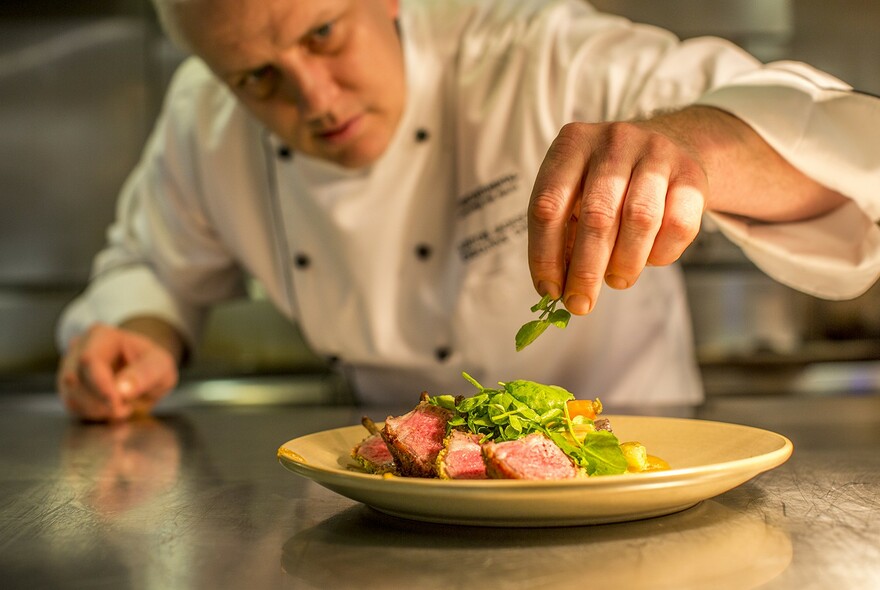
x=195, y=498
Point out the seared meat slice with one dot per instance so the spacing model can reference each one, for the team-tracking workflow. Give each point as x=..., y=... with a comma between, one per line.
x=373, y=455
x=602, y=424
x=415, y=439
x=532, y=457
x=461, y=457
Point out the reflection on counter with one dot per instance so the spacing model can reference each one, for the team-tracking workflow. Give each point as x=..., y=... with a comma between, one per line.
x=142, y=504
x=708, y=546
x=116, y=468
x=112, y=481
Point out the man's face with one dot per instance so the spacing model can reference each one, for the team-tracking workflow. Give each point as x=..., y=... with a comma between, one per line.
x=326, y=76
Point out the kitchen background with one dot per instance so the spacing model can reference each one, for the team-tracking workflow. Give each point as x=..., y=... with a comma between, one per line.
x=81, y=82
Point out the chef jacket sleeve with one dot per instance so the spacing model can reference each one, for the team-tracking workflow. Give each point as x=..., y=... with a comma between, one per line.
x=162, y=257
x=618, y=70
x=832, y=134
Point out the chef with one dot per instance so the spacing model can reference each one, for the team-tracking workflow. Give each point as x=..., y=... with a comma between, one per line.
x=405, y=180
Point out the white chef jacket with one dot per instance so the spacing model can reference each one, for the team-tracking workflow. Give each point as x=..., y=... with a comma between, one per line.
x=414, y=269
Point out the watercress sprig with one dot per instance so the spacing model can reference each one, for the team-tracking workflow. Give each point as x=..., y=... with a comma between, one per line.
x=514, y=410
x=549, y=316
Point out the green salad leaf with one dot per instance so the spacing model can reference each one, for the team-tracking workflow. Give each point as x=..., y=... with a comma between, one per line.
x=519, y=408
x=599, y=454
x=540, y=398
x=549, y=316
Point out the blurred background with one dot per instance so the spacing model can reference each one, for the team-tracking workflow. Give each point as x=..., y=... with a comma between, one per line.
x=81, y=82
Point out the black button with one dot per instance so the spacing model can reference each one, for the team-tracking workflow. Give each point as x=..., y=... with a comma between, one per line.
x=332, y=360
x=423, y=251
x=302, y=261
x=422, y=135
x=284, y=152
x=442, y=353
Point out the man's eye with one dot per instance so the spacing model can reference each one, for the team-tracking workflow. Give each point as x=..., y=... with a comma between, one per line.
x=325, y=39
x=260, y=83
x=323, y=32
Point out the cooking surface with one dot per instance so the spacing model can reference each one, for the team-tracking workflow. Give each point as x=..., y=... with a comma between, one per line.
x=195, y=498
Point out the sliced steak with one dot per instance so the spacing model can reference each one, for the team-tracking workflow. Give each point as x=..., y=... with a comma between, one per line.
x=532, y=457
x=416, y=438
x=461, y=457
x=373, y=455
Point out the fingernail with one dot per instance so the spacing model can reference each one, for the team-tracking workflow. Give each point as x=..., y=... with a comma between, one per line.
x=578, y=304
x=549, y=288
x=125, y=387
x=616, y=282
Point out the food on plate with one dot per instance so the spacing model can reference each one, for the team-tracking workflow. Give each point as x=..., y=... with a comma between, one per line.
x=533, y=456
x=372, y=453
x=638, y=459
x=461, y=456
x=416, y=438
x=522, y=430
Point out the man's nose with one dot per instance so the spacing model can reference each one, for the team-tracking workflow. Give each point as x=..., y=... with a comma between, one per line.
x=308, y=82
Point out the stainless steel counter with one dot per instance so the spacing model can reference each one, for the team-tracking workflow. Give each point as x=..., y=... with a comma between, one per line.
x=195, y=498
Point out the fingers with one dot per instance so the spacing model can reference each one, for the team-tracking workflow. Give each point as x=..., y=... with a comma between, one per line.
x=111, y=374
x=682, y=218
x=557, y=188
x=609, y=200
x=98, y=358
x=597, y=230
x=85, y=380
x=150, y=373
x=650, y=221
x=642, y=212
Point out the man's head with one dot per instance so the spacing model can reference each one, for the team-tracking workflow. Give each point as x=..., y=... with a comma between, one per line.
x=326, y=76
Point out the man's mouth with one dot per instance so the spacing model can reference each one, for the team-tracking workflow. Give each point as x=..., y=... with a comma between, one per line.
x=341, y=133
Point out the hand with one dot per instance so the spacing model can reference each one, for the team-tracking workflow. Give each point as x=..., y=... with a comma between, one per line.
x=111, y=373
x=609, y=200
x=118, y=467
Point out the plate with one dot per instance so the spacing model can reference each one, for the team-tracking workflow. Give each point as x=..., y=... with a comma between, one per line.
x=707, y=458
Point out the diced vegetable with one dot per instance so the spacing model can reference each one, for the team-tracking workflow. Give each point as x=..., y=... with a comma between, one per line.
x=636, y=456
x=584, y=407
x=656, y=464
x=638, y=459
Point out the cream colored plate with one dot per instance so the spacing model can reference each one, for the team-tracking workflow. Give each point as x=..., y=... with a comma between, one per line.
x=707, y=459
